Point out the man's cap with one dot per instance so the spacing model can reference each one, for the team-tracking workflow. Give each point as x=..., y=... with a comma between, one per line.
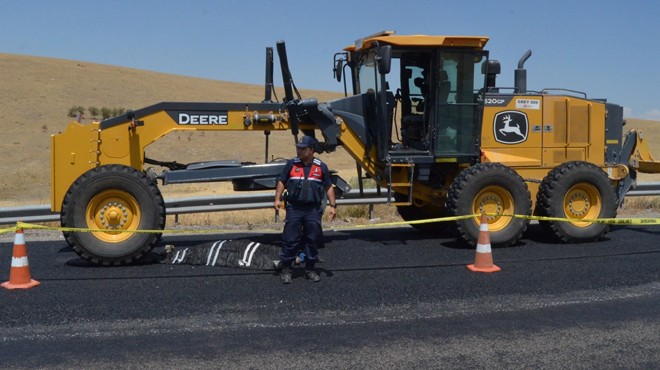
x=306, y=141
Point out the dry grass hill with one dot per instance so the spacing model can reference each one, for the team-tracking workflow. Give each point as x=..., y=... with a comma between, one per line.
x=37, y=93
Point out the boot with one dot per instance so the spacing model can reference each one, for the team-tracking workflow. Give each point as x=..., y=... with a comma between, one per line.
x=313, y=276
x=285, y=275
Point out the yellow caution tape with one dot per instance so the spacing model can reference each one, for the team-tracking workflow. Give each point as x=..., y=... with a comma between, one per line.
x=403, y=223
x=634, y=221
x=23, y=225
x=614, y=221
x=9, y=230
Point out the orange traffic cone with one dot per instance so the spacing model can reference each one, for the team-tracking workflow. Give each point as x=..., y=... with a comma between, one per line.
x=19, y=275
x=483, y=260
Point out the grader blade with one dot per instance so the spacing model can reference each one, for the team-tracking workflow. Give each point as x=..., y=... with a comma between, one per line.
x=641, y=159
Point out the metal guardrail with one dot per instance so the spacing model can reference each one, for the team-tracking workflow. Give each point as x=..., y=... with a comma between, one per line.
x=220, y=203
x=177, y=206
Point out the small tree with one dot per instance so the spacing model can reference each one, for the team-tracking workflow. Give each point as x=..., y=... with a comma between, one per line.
x=117, y=111
x=93, y=111
x=106, y=113
x=75, y=110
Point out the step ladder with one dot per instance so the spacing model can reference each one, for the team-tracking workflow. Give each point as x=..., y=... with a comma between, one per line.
x=403, y=187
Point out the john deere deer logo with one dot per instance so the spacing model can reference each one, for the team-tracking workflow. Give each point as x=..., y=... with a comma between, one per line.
x=510, y=127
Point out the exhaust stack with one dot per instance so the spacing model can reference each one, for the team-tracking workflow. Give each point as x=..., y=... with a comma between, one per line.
x=520, y=75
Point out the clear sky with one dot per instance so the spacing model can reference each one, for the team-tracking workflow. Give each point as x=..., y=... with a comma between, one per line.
x=609, y=49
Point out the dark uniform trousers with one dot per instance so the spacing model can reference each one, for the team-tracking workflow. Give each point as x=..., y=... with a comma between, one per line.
x=293, y=240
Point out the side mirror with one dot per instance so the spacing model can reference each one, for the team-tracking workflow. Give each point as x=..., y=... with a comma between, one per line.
x=339, y=65
x=384, y=59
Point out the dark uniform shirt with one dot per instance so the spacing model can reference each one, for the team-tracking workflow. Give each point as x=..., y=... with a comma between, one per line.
x=305, y=184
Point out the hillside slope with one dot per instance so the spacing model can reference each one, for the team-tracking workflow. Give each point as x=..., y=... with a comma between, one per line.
x=36, y=94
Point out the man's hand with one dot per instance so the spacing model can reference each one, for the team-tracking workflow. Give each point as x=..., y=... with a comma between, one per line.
x=279, y=189
x=332, y=213
x=330, y=191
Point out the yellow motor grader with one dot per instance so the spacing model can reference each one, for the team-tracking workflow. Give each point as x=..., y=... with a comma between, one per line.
x=424, y=118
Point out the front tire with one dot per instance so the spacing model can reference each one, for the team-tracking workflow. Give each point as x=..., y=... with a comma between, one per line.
x=113, y=198
x=576, y=190
x=495, y=190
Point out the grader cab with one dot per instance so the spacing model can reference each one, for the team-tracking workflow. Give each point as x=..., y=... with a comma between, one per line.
x=445, y=140
x=424, y=118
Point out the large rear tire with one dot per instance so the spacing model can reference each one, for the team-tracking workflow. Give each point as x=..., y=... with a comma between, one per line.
x=576, y=190
x=496, y=190
x=113, y=198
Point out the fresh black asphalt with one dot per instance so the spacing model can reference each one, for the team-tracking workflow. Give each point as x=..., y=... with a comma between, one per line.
x=389, y=298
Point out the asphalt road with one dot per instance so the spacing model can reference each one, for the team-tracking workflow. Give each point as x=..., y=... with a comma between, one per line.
x=389, y=298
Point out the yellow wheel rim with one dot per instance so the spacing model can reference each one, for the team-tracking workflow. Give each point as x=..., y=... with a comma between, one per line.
x=494, y=201
x=113, y=210
x=582, y=201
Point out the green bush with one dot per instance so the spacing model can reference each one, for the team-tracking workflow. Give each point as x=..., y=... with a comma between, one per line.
x=94, y=112
x=118, y=111
x=106, y=113
x=75, y=110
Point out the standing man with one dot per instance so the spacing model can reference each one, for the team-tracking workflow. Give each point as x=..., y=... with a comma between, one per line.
x=305, y=179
